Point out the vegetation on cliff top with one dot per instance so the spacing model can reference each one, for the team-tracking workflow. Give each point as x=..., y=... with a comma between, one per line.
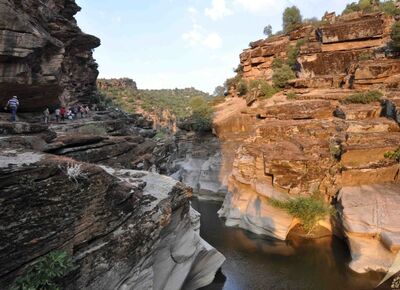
x=291, y=18
x=369, y=6
x=45, y=272
x=179, y=102
x=309, y=210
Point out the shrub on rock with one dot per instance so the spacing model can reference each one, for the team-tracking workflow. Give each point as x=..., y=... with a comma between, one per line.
x=309, y=210
x=395, y=36
x=364, y=97
x=282, y=75
x=265, y=89
x=45, y=272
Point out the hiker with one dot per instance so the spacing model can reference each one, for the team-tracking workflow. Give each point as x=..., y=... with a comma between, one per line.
x=82, y=111
x=70, y=115
x=87, y=110
x=57, y=113
x=62, y=113
x=46, y=114
x=75, y=111
x=13, y=105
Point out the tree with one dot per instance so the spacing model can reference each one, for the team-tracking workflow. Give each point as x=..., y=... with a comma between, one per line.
x=201, y=114
x=291, y=19
x=268, y=30
x=219, y=91
x=395, y=35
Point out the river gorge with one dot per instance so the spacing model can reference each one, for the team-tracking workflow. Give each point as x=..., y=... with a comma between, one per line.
x=289, y=178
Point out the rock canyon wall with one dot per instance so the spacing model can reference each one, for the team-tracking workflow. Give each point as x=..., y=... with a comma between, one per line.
x=307, y=138
x=45, y=59
x=76, y=186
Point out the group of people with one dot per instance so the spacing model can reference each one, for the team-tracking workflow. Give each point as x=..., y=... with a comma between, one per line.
x=62, y=114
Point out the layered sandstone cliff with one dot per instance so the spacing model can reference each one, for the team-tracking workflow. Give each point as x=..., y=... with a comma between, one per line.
x=314, y=141
x=45, y=58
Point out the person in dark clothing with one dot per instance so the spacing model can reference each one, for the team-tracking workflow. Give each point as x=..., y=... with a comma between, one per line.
x=13, y=105
x=62, y=113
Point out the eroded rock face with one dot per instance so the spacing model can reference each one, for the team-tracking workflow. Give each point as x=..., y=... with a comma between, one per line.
x=345, y=53
x=197, y=162
x=45, y=58
x=313, y=141
x=370, y=216
x=125, y=229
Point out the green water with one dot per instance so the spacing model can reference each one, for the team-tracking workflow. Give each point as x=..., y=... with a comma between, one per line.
x=254, y=262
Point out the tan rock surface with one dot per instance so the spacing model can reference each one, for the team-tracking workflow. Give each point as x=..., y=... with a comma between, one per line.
x=370, y=215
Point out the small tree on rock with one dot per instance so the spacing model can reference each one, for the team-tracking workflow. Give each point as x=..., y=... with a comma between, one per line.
x=219, y=91
x=291, y=19
x=268, y=30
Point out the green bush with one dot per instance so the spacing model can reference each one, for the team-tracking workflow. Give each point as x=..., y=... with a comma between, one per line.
x=291, y=96
x=350, y=8
x=389, y=7
x=367, y=6
x=268, y=30
x=395, y=36
x=335, y=149
x=266, y=90
x=201, y=114
x=293, y=53
x=93, y=129
x=291, y=18
x=277, y=63
x=364, y=98
x=366, y=55
x=217, y=100
x=309, y=210
x=282, y=75
x=395, y=155
x=45, y=272
x=242, y=87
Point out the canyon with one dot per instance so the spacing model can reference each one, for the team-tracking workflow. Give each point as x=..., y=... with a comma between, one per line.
x=89, y=187
x=114, y=189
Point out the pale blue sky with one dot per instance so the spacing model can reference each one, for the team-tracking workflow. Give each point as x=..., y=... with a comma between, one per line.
x=177, y=43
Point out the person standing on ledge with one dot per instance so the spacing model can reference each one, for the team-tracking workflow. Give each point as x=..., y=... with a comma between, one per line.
x=13, y=105
x=46, y=114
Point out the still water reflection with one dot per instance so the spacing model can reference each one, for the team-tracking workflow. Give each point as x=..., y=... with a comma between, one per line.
x=254, y=262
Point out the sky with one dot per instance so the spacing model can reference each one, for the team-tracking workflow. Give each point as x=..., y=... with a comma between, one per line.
x=182, y=43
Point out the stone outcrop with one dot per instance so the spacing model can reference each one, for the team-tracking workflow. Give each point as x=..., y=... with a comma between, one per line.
x=370, y=220
x=45, y=58
x=125, y=229
x=348, y=53
x=315, y=141
x=197, y=163
x=122, y=83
